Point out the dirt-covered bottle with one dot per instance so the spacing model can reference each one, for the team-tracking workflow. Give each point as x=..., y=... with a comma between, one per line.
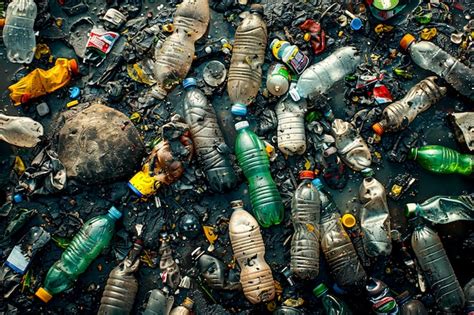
x=211, y=268
x=442, y=160
x=291, y=126
x=443, y=209
x=159, y=303
x=168, y=266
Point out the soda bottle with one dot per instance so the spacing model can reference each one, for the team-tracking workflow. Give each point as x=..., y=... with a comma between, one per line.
x=305, y=213
x=253, y=159
x=331, y=304
x=168, y=267
x=291, y=55
x=278, y=79
x=410, y=306
x=18, y=32
x=430, y=57
x=443, y=209
x=291, y=130
x=175, y=56
x=320, y=77
x=211, y=268
x=159, y=303
x=207, y=138
x=383, y=302
x=249, y=251
x=86, y=245
x=469, y=294
x=184, y=309
x=437, y=269
x=20, y=131
x=398, y=115
x=248, y=56
x=122, y=285
x=442, y=160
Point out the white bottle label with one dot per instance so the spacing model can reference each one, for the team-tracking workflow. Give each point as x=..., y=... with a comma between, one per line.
x=17, y=261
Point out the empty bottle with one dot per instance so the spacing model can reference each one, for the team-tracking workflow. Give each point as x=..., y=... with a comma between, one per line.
x=469, y=294
x=249, y=251
x=430, y=57
x=374, y=218
x=84, y=248
x=122, y=285
x=168, y=267
x=253, y=159
x=18, y=32
x=184, y=309
x=320, y=77
x=248, y=55
x=442, y=160
x=349, y=222
x=437, y=269
x=211, y=268
x=410, y=306
x=383, y=302
x=398, y=115
x=443, y=209
x=305, y=213
x=332, y=305
x=209, y=143
x=175, y=56
x=291, y=130
x=278, y=79
x=159, y=303
x=291, y=55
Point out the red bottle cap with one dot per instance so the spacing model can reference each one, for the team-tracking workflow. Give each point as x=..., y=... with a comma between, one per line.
x=306, y=174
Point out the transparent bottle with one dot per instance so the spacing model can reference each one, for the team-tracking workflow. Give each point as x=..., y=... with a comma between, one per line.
x=398, y=115
x=248, y=56
x=94, y=236
x=208, y=140
x=305, y=215
x=175, y=56
x=443, y=209
x=184, y=309
x=159, y=303
x=430, y=57
x=168, y=266
x=442, y=160
x=437, y=269
x=352, y=227
x=18, y=32
x=249, y=251
x=291, y=126
x=278, y=79
x=320, y=77
x=469, y=294
x=332, y=305
x=211, y=268
x=379, y=294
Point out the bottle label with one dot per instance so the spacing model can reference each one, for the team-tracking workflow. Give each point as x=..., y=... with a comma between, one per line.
x=17, y=260
x=280, y=70
x=102, y=41
x=297, y=61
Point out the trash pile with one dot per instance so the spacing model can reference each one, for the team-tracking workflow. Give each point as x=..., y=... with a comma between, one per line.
x=248, y=157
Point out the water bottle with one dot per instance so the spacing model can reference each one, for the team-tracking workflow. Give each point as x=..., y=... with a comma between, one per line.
x=211, y=268
x=84, y=248
x=159, y=303
x=291, y=130
x=248, y=56
x=253, y=159
x=305, y=213
x=318, y=78
x=207, y=137
x=291, y=55
x=18, y=32
x=410, y=306
x=249, y=251
x=168, y=267
x=398, y=115
x=175, y=56
x=352, y=227
x=437, y=269
x=469, y=294
x=443, y=209
x=430, y=57
x=331, y=304
x=383, y=303
x=278, y=79
x=442, y=160
x=184, y=309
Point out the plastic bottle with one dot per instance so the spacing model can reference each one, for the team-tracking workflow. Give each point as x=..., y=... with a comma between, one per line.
x=253, y=159
x=291, y=126
x=168, y=266
x=437, y=269
x=318, y=78
x=159, y=303
x=442, y=160
x=278, y=79
x=207, y=138
x=305, y=215
x=249, y=251
x=383, y=302
x=469, y=294
x=211, y=268
x=175, y=56
x=18, y=32
x=183, y=309
x=430, y=57
x=331, y=304
x=84, y=248
x=291, y=55
x=122, y=285
x=410, y=306
x=443, y=209
x=352, y=227
x=248, y=56
x=398, y=115
x=287, y=310
x=40, y=82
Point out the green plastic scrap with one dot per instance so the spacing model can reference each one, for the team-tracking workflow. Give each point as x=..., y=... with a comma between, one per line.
x=403, y=73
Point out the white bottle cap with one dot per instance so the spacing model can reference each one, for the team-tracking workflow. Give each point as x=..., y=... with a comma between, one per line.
x=294, y=93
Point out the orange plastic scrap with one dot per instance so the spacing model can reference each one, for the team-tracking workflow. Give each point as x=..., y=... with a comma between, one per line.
x=40, y=82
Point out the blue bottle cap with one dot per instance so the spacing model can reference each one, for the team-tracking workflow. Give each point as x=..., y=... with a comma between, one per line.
x=239, y=109
x=356, y=24
x=188, y=82
x=317, y=182
x=17, y=198
x=116, y=214
x=74, y=92
x=241, y=125
x=136, y=191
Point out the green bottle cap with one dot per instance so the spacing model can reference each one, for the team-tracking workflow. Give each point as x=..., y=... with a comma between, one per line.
x=320, y=289
x=413, y=153
x=410, y=209
x=367, y=172
x=115, y=213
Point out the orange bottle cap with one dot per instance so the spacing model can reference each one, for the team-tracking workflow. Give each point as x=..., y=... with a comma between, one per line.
x=25, y=98
x=306, y=174
x=2, y=22
x=406, y=41
x=74, y=66
x=378, y=129
x=348, y=220
x=44, y=295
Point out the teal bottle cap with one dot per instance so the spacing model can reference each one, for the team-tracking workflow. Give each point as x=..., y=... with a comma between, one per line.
x=239, y=109
x=410, y=209
x=317, y=182
x=241, y=125
x=115, y=213
x=189, y=82
x=320, y=289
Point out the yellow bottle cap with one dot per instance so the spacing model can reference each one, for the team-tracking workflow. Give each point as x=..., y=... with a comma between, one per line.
x=348, y=220
x=44, y=295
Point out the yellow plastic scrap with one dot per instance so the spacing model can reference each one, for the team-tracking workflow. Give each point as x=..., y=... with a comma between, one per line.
x=382, y=28
x=293, y=302
x=137, y=74
x=209, y=233
x=19, y=167
x=72, y=103
x=42, y=50
x=136, y=118
x=396, y=190
x=168, y=28
x=271, y=306
x=428, y=33
x=307, y=164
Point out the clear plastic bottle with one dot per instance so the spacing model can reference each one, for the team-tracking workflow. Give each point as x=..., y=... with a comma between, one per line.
x=248, y=56
x=398, y=115
x=442, y=160
x=278, y=79
x=249, y=251
x=168, y=266
x=383, y=303
x=184, y=309
x=305, y=215
x=353, y=229
x=291, y=130
x=175, y=56
x=209, y=143
x=211, y=268
x=159, y=303
x=318, y=78
x=332, y=305
x=469, y=294
x=430, y=57
x=18, y=32
x=443, y=209
x=437, y=269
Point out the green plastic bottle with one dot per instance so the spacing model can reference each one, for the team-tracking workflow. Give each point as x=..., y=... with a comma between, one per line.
x=331, y=304
x=86, y=245
x=253, y=159
x=442, y=160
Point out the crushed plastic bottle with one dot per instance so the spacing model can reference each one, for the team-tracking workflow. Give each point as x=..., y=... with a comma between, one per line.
x=443, y=209
x=22, y=132
x=169, y=268
x=410, y=306
x=291, y=126
x=383, y=302
x=291, y=55
x=211, y=268
x=442, y=160
x=278, y=79
x=159, y=303
x=331, y=304
x=287, y=310
x=184, y=309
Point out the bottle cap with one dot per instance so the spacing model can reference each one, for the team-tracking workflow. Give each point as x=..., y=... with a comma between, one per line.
x=239, y=109
x=356, y=24
x=73, y=66
x=44, y=295
x=188, y=82
x=74, y=92
x=198, y=252
x=115, y=213
x=306, y=174
x=317, y=182
x=413, y=153
x=241, y=125
x=17, y=198
x=378, y=128
x=2, y=22
x=410, y=209
x=320, y=289
x=367, y=172
x=237, y=203
x=406, y=41
x=348, y=220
